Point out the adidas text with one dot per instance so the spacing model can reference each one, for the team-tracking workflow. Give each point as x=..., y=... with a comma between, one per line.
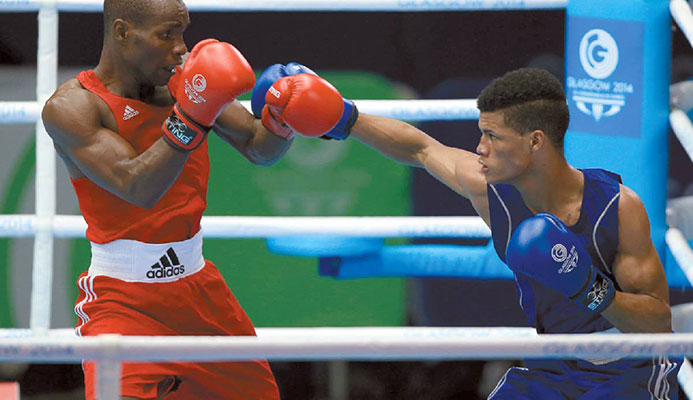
x=166, y=272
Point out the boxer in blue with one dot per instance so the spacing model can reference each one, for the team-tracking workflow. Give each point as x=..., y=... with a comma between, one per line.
x=577, y=240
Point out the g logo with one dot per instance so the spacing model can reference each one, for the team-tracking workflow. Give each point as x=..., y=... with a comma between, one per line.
x=559, y=253
x=598, y=53
x=199, y=83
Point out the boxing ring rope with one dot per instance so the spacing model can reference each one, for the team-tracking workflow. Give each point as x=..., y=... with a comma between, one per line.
x=681, y=251
x=73, y=226
x=40, y=344
x=683, y=129
x=335, y=344
x=21, y=112
x=683, y=254
x=305, y=5
x=326, y=332
x=346, y=344
x=679, y=121
x=681, y=13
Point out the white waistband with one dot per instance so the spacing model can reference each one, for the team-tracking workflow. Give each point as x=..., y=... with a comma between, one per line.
x=133, y=261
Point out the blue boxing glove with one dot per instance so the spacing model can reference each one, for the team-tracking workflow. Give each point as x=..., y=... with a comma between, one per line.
x=543, y=249
x=277, y=71
x=267, y=78
x=270, y=75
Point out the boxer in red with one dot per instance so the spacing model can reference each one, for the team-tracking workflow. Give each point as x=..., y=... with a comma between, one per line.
x=132, y=135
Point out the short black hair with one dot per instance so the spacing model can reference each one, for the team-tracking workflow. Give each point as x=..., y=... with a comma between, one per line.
x=530, y=99
x=136, y=11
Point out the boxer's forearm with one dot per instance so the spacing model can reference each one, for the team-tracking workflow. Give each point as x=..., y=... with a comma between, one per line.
x=638, y=313
x=395, y=139
x=264, y=147
x=237, y=127
x=150, y=175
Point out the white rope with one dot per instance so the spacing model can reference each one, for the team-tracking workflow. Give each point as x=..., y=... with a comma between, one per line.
x=684, y=258
x=311, y=5
x=18, y=112
x=421, y=110
x=69, y=226
x=326, y=343
x=681, y=251
x=323, y=333
x=681, y=12
x=683, y=129
x=685, y=377
x=346, y=345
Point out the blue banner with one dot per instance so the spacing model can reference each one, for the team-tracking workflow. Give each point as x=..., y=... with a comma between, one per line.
x=604, y=76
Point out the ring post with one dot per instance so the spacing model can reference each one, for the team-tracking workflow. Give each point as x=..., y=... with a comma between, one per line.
x=108, y=368
x=46, y=83
x=618, y=54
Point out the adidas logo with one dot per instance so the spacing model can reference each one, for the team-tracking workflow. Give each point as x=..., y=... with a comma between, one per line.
x=129, y=113
x=167, y=266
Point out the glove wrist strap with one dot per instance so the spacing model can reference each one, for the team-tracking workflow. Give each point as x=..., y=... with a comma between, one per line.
x=598, y=293
x=343, y=128
x=181, y=132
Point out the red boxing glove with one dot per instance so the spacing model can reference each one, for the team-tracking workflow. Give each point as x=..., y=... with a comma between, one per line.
x=303, y=103
x=214, y=74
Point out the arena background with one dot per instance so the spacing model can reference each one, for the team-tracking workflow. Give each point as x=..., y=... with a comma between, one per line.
x=366, y=55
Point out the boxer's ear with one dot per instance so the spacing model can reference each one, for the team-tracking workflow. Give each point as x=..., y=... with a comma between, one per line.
x=537, y=139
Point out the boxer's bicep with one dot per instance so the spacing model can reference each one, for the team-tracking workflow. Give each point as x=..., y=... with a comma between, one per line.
x=460, y=171
x=75, y=126
x=637, y=266
x=471, y=177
